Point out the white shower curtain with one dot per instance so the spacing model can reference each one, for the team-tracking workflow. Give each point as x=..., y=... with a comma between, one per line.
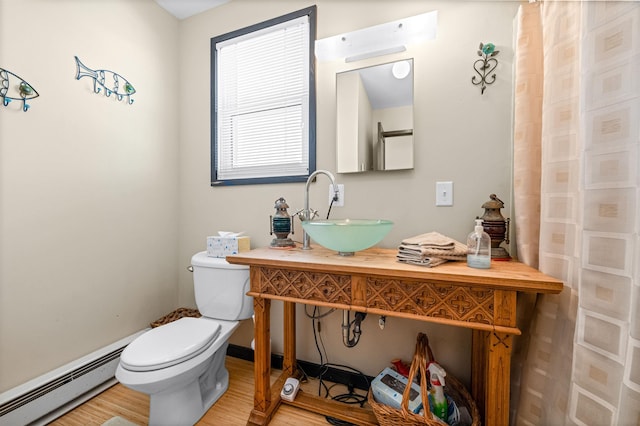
x=582, y=363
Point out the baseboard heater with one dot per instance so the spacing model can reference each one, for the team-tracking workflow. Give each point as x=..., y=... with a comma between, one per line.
x=47, y=397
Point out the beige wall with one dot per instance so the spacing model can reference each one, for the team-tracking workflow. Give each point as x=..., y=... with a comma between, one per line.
x=460, y=135
x=88, y=185
x=102, y=204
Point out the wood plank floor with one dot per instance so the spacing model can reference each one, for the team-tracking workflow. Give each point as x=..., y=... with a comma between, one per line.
x=231, y=409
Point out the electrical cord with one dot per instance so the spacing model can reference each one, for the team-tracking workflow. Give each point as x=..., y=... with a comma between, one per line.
x=346, y=398
x=315, y=337
x=331, y=205
x=351, y=397
x=318, y=316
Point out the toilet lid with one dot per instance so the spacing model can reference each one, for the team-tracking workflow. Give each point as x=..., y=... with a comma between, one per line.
x=170, y=344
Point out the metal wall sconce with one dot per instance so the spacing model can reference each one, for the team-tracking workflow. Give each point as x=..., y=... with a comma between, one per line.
x=378, y=40
x=485, y=66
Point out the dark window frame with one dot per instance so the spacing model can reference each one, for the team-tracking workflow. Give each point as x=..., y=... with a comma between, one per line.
x=311, y=12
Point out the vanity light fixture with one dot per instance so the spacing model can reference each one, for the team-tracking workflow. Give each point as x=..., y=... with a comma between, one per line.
x=378, y=40
x=373, y=54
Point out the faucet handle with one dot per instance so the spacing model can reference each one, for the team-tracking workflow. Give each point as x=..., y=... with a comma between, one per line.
x=306, y=215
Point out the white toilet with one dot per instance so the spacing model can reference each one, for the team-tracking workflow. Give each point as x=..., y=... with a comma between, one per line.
x=181, y=365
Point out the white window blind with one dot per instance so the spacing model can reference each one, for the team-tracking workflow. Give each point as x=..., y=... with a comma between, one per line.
x=263, y=103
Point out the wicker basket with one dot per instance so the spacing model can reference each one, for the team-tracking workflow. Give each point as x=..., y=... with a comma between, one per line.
x=389, y=416
x=175, y=315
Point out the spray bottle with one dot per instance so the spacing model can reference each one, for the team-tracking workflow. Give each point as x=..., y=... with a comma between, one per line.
x=437, y=399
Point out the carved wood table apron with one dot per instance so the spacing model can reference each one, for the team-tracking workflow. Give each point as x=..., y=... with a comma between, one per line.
x=372, y=281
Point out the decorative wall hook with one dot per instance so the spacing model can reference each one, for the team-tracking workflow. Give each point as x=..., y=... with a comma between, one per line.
x=110, y=81
x=485, y=66
x=14, y=88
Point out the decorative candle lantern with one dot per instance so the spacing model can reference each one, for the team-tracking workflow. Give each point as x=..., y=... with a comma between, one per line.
x=281, y=225
x=496, y=226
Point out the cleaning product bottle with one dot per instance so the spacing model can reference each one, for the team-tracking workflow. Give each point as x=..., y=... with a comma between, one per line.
x=479, y=248
x=437, y=399
x=401, y=366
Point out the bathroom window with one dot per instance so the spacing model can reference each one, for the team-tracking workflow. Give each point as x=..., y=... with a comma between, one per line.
x=263, y=102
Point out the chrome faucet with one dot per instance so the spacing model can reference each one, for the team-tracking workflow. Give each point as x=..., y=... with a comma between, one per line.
x=307, y=213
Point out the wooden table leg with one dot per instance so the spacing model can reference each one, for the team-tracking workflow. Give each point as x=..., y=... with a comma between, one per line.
x=289, y=361
x=262, y=409
x=498, y=379
x=491, y=362
x=479, y=340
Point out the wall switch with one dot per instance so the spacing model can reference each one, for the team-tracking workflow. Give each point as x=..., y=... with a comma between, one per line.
x=332, y=193
x=444, y=193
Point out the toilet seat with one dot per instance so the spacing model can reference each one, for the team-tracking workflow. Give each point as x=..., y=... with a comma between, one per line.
x=170, y=344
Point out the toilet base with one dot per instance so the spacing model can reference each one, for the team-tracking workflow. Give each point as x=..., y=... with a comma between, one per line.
x=186, y=405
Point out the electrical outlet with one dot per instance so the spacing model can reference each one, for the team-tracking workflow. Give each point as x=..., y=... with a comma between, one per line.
x=340, y=201
x=444, y=193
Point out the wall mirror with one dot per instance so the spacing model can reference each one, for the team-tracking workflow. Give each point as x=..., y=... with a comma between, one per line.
x=374, y=107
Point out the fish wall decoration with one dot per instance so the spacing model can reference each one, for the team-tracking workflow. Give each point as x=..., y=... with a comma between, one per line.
x=111, y=82
x=15, y=88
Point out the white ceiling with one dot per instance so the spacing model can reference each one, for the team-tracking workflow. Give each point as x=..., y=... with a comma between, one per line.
x=383, y=89
x=184, y=8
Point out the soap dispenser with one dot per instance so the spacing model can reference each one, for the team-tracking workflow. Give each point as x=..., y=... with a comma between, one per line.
x=479, y=248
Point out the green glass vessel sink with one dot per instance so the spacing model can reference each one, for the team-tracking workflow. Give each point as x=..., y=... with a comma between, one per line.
x=346, y=236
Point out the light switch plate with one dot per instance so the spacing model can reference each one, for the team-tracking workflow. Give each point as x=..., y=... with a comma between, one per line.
x=444, y=193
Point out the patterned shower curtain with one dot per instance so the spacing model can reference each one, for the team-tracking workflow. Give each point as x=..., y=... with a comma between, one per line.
x=582, y=363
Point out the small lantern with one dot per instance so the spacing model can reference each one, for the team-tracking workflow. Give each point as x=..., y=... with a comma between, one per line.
x=496, y=226
x=281, y=225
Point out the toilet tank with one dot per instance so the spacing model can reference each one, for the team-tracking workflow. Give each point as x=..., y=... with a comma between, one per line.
x=221, y=288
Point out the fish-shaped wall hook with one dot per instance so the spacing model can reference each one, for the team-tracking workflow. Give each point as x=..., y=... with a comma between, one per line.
x=15, y=88
x=109, y=81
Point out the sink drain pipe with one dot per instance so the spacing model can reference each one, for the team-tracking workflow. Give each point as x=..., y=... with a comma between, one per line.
x=348, y=338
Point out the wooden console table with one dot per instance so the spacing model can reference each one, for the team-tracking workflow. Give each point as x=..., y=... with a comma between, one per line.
x=372, y=281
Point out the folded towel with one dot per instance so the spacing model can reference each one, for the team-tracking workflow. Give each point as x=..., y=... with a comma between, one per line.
x=432, y=245
x=428, y=262
x=458, y=253
x=431, y=240
x=430, y=249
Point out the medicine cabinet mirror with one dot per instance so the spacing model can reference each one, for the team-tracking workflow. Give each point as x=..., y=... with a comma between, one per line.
x=374, y=122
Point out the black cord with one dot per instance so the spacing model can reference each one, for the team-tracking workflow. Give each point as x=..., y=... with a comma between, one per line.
x=347, y=398
x=330, y=205
x=318, y=316
x=351, y=397
x=315, y=317
x=322, y=342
